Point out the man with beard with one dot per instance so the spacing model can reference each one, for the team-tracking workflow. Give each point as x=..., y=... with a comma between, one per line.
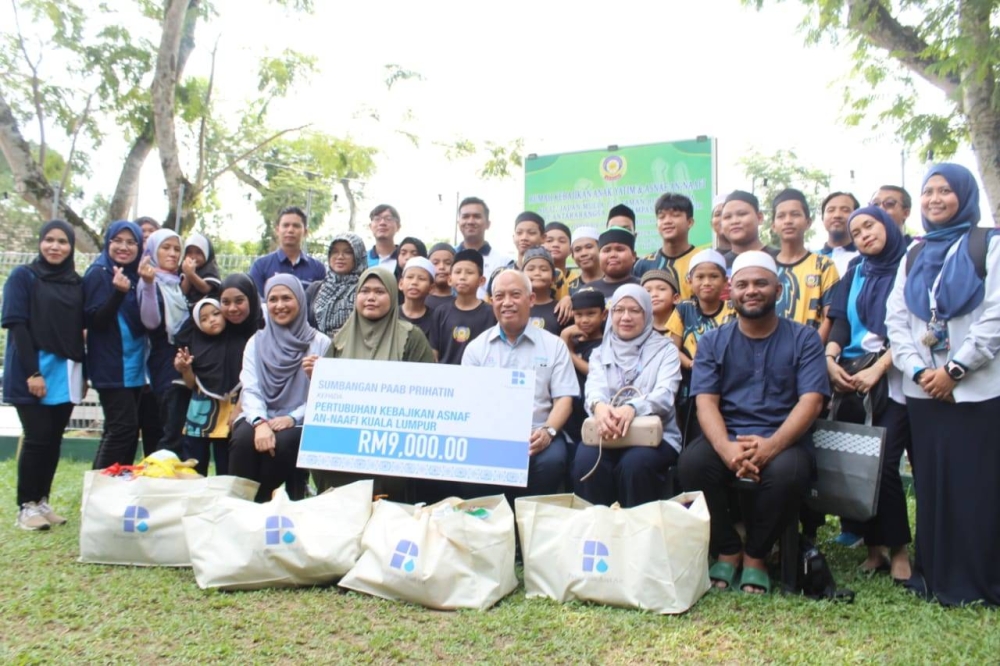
x=760, y=383
x=837, y=208
x=617, y=257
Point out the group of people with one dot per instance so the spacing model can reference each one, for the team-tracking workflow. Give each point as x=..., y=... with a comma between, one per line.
x=737, y=349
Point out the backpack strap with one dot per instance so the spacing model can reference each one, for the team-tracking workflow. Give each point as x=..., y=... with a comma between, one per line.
x=912, y=254
x=979, y=241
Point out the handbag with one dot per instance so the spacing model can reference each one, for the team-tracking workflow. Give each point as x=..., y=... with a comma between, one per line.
x=643, y=431
x=849, y=461
x=879, y=393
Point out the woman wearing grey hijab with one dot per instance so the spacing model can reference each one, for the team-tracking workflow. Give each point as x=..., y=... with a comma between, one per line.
x=265, y=440
x=631, y=354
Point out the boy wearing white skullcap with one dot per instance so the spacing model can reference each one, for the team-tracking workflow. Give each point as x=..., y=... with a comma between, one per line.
x=586, y=255
x=414, y=286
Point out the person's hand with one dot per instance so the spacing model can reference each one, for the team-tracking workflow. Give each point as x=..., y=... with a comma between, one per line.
x=120, y=281
x=189, y=266
x=36, y=386
x=146, y=270
x=183, y=360
x=564, y=310
x=607, y=421
x=734, y=454
x=569, y=336
x=761, y=452
x=868, y=378
x=539, y=441
x=263, y=438
x=308, y=363
x=842, y=382
x=938, y=384
x=624, y=415
x=279, y=423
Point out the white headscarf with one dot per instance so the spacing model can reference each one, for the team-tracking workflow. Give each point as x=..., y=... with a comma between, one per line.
x=175, y=303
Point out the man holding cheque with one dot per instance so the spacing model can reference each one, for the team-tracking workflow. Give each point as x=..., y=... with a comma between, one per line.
x=513, y=344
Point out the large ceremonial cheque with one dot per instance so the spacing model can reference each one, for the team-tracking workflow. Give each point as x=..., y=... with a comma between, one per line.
x=419, y=420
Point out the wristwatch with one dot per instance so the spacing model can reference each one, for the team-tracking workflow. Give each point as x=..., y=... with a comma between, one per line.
x=955, y=370
x=552, y=431
x=257, y=421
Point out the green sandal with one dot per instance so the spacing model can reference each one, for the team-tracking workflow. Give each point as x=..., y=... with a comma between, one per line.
x=723, y=572
x=755, y=578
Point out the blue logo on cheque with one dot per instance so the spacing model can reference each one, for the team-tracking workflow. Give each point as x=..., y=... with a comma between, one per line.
x=517, y=378
x=135, y=519
x=594, y=553
x=278, y=530
x=405, y=556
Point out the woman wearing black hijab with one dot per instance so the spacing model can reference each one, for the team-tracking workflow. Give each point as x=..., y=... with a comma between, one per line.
x=43, y=367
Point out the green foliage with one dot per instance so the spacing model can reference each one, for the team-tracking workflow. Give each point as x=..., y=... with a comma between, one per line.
x=772, y=173
x=894, y=41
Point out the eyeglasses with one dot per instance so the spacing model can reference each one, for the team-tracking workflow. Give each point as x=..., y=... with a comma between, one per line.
x=385, y=217
x=886, y=204
x=124, y=242
x=621, y=312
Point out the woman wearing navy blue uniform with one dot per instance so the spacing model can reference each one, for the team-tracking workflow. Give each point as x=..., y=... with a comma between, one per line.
x=116, y=341
x=163, y=308
x=43, y=367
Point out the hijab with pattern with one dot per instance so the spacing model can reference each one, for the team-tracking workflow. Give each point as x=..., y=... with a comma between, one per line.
x=959, y=290
x=280, y=350
x=378, y=340
x=335, y=298
x=56, y=322
x=168, y=284
x=627, y=355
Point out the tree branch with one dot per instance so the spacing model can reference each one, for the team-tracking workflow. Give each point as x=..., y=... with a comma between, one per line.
x=247, y=179
x=72, y=146
x=36, y=93
x=245, y=154
x=873, y=20
x=204, y=118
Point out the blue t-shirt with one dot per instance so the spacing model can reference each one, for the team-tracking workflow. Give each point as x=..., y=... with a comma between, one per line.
x=759, y=382
x=116, y=355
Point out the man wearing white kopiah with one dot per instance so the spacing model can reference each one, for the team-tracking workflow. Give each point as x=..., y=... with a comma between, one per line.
x=760, y=383
x=512, y=343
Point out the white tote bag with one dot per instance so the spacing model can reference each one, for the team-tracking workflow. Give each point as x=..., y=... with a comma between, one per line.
x=453, y=554
x=239, y=545
x=138, y=520
x=651, y=557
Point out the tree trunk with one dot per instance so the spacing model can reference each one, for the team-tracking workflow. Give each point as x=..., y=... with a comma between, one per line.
x=128, y=182
x=352, y=204
x=32, y=184
x=163, y=92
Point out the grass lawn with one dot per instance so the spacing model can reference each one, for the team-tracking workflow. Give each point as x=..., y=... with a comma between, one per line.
x=55, y=610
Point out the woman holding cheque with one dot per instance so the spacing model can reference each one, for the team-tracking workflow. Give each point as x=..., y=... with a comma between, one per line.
x=277, y=362
x=632, y=354
x=375, y=332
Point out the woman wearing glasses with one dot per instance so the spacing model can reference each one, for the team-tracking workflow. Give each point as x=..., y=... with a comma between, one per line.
x=331, y=300
x=632, y=354
x=116, y=341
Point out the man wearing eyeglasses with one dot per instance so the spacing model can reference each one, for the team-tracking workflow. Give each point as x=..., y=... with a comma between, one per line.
x=896, y=201
x=385, y=225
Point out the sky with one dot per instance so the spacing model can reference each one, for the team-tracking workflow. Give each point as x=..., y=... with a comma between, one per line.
x=562, y=76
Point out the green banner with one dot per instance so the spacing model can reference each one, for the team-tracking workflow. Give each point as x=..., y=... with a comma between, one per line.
x=579, y=188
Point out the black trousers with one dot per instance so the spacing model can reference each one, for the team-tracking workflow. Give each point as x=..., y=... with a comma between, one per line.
x=766, y=512
x=630, y=476
x=267, y=470
x=43, y=427
x=203, y=449
x=121, y=426
x=891, y=525
x=173, y=405
x=149, y=422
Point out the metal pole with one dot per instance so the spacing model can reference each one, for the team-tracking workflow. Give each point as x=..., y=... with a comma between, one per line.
x=456, y=216
x=55, y=203
x=180, y=209
x=309, y=204
x=902, y=168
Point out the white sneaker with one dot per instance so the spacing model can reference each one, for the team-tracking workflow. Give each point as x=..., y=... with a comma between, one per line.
x=30, y=518
x=49, y=514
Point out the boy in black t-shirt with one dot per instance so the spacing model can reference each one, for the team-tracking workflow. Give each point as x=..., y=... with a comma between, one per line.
x=442, y=256
x=583, y=337
x=460, y=321
x=540, y=269
x=415, y=285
